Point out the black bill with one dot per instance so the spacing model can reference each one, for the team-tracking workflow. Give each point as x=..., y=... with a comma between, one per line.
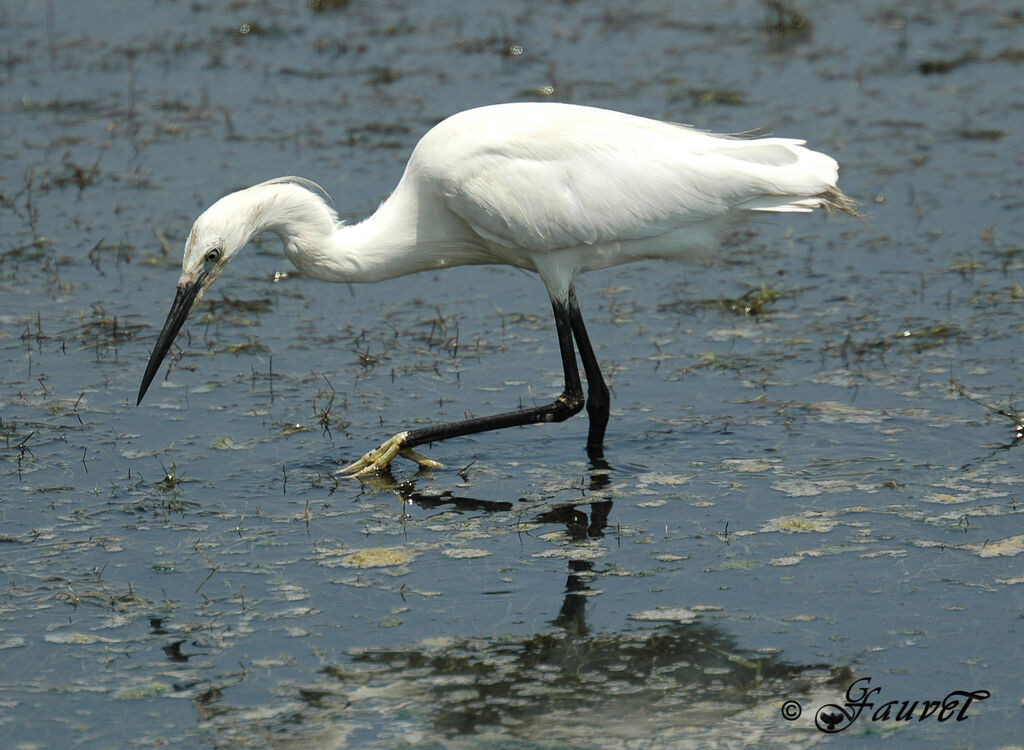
x=183, y=301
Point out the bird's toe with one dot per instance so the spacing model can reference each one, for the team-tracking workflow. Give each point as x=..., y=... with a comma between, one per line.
x=423, y=461
x=380, y=458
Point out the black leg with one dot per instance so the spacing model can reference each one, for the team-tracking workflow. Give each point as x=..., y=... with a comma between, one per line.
x=568, y=403
x=597, y=391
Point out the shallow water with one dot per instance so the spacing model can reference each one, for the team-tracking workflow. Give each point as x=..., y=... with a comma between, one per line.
x=824, y=491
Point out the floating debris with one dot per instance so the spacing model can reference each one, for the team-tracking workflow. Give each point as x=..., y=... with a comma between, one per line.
x=808, y=522
x=378, y=557
x=77, y=638
x=466, y=553
x=665, y=614
x=1009, y=547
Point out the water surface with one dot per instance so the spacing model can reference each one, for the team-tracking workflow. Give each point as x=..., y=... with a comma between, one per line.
x=794, y=499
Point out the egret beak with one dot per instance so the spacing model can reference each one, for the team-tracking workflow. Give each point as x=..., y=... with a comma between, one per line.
x=184, y=299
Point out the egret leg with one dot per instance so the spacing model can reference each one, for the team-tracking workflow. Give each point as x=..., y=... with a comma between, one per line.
x=568, y=403
x=597, y=391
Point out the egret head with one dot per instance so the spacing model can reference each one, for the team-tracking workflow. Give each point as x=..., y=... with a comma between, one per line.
x=286, y=205
x=216, y=237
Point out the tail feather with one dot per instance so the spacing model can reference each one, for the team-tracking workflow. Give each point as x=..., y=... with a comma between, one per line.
x=793, y=178
x=834, y=199
x=831, y=200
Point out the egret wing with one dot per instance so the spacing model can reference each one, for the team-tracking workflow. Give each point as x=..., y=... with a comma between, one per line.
x=620, y=178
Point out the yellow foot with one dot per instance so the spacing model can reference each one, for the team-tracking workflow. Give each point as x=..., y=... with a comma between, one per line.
x=379, y=458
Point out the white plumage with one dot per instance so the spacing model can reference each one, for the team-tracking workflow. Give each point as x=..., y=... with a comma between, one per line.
x=554, y=188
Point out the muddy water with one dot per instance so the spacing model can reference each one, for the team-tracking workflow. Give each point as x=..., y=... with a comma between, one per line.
x=823, y=491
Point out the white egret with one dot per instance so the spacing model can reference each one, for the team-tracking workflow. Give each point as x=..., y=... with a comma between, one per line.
x=552, y=188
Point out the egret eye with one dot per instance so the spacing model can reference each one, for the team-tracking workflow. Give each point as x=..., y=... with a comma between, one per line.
x=213, y=255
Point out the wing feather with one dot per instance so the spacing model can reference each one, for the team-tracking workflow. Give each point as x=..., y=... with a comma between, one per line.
x=550, y=176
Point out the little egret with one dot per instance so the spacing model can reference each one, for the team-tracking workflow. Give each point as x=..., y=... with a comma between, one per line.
x=552, y=188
